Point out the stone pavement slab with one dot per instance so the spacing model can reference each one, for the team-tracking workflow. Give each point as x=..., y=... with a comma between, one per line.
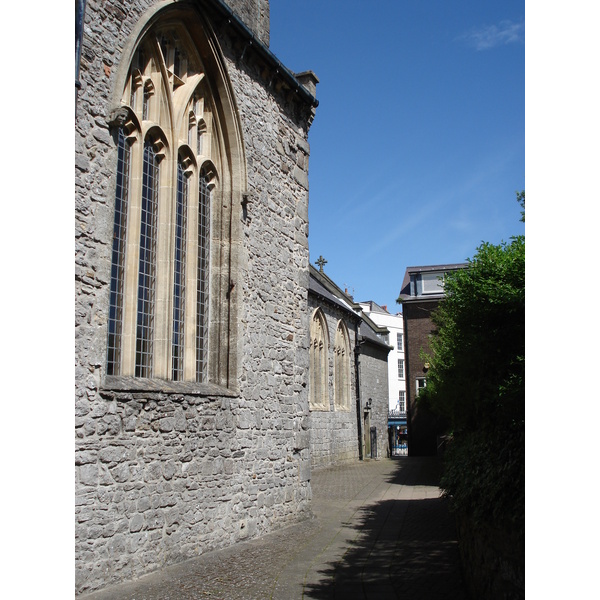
x=380, y=530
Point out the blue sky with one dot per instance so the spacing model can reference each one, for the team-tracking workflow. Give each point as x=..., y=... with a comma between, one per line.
x=418, y=144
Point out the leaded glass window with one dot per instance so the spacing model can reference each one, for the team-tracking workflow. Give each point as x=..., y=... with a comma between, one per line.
x=179, y=273
x=147, y=265
x=146, y=102
x=202, y=281
x=117, y=275
x=159, y=322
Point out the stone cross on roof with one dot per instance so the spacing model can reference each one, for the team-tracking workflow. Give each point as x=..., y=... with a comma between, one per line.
x=321, y=262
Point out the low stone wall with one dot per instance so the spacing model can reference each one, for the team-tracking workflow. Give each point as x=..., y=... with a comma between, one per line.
x=493, y=561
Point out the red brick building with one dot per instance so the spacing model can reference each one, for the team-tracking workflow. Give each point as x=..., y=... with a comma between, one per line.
x=422, y=290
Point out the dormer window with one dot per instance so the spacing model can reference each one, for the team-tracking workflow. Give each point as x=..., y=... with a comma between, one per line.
x=423, y=284
x=432, y=283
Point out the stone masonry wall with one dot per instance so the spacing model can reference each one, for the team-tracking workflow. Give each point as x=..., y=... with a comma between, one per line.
x=334, y=433
x=374, y=384
x=164, y=476
x=256, y=16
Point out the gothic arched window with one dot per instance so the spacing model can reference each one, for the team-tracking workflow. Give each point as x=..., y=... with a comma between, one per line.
x=172, y=158
x=318, y=366
x=341, y=368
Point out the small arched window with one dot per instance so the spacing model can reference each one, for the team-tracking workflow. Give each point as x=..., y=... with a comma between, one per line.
x=318, y=365
x=341, y=368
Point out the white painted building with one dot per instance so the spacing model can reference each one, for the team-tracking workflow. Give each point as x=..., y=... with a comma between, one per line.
x=396, y=363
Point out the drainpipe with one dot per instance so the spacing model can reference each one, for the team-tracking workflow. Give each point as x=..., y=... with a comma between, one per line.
x=79, y=16
x=357, y=381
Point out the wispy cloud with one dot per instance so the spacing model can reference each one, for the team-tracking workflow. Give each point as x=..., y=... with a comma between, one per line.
x=411, y=222
x=490, y=36
x=426, y=214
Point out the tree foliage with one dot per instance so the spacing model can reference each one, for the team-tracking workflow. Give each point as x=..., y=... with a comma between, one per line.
x=478, y=355
x=476, y=382
x=521, y=201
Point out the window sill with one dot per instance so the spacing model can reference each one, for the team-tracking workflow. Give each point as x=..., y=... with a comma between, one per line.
x=114, y=383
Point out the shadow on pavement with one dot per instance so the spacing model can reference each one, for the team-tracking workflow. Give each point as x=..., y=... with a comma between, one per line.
x=404, y=548
x=416, y=470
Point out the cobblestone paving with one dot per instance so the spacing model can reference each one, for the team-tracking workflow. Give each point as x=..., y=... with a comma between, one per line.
x=380, y=530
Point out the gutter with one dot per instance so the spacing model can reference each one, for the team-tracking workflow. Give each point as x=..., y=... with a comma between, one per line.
x=79, y=16
x=417, y=299
x=376, y=343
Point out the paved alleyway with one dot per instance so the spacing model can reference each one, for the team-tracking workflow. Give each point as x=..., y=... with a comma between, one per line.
x=380, y=530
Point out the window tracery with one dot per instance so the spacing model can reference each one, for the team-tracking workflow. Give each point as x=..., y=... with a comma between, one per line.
x=319, y=363
x=341, y=368
x=159, y=306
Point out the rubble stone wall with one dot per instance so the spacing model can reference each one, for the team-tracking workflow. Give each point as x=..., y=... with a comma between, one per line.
x=334, y=433
x=169, y=472
x=256, y=16
x=374, y=380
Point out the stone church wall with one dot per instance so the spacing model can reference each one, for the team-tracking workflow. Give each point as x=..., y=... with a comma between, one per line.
x=334, y=433
x=374, y=383
x=167, y=474
x=256, y=15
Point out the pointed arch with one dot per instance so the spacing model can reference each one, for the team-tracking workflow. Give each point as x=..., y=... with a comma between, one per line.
x=319, y=362
x=341, y=368
x=173, y=83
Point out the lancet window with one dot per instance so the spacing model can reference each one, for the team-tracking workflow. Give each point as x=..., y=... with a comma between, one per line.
x=319, y=363
x=341, y=368
x=117, y=275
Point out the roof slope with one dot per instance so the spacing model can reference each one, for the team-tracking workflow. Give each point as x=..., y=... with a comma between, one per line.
x=323, y=287
x=405, y=290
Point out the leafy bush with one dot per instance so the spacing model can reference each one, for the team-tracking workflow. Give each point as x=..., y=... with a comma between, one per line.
x=484, y=477
x=476, y=383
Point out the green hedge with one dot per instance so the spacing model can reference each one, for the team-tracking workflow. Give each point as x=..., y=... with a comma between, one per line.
x=484, y=476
